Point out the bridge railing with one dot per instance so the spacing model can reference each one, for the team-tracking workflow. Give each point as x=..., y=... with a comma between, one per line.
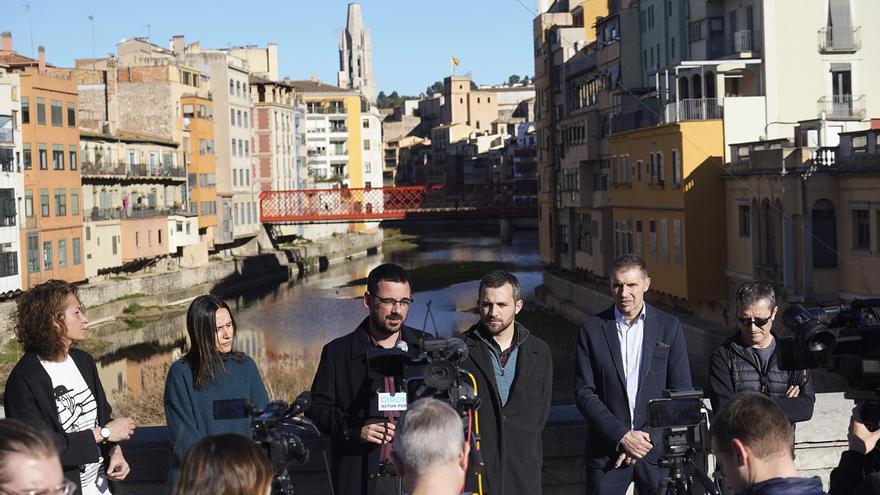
x=385, y=203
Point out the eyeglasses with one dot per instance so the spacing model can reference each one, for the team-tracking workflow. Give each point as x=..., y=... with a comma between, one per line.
x=389, y=302
x=66, y=488
x=758, y=322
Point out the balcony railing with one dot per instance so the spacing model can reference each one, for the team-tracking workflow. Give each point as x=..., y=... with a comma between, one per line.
x=844, y=107
x=694, y=109
x=325, y=110
x=5, y=135
x=134, y=170
x=840, y=41
x=742, y=41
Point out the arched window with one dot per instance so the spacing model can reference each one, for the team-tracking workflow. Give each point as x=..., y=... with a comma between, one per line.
x=824, y=235
x=710, y=85
x=697, y=86
x=683, y=92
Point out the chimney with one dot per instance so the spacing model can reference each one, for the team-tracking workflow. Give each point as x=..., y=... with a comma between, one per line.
x=6, y=45
x=177, y=44
x=41, y=58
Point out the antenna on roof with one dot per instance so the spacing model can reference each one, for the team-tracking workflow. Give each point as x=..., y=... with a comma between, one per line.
x=27, y=8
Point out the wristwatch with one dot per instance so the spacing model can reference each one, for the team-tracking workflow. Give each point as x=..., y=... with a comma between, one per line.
x=105, y=434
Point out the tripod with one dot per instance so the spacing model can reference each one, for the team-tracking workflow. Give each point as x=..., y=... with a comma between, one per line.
x=678, y=482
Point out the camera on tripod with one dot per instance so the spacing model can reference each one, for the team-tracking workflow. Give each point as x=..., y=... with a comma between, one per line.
x=432, y=372
x=844, y=340
x=682, y=417
x=276, y=429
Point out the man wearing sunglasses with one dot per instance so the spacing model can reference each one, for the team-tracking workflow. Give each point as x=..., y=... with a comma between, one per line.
x=747, y=361
x=357, y=409
x=29, y=463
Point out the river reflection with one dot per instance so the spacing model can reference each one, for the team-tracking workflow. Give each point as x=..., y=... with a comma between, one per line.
x=284, y=327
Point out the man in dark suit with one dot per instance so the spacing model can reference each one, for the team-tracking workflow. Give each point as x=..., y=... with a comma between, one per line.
x=514, y=372
x=345, y=395
x=626, y=356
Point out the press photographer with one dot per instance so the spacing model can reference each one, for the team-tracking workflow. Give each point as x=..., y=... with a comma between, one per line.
x=855, y=474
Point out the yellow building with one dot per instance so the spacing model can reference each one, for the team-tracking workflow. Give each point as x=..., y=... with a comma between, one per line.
x=668, y=206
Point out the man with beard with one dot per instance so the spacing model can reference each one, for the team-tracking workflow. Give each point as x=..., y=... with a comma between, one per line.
x=514, y=372
x=345, y=397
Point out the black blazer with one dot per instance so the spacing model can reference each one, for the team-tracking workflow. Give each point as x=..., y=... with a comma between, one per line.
x=29, y=398
x=600, y=388
x=511, y=443
x=343, y=395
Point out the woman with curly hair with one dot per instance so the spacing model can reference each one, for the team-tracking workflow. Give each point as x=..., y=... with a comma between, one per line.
x=227, y=464
x=212, y=371
x=56, y=388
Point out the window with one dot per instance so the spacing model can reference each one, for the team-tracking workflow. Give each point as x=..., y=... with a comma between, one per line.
x=62, y=253
x=366, y=144
x=245, y=121
x=33, y=253
x=57, y=113
x=44, y=202
x=160, y=235
x=366, y=124
x=676, y=241
x=664, y=240
x=26, y=156
x=745, y=221
x=71, y=115
x=44, y=158
x=563, y=238
x=239, y=118
x=47, y=255
x=29, y=203
x=231, y=87
x=41, y=111
x=7, y=207
x=74, y=201
x=824, y=235
x=652, y=239
x=639, y=242
x=234, y=148
x=57, y=157
x=60, y=202
x=72, y=157
x=368, y=167
x=8, y=260
x=25, y=110
x=77, y=256
x=861, y=230
x=676, y=171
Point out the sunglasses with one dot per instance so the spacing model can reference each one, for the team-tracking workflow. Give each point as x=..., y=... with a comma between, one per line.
x=758, y=322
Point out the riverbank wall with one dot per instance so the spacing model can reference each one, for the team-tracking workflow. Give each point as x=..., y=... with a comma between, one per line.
x=223, y=276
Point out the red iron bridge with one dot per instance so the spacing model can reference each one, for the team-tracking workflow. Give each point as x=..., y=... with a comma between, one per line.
x=499, y=200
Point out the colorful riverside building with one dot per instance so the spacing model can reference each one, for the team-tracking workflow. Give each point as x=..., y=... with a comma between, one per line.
x=53, y=224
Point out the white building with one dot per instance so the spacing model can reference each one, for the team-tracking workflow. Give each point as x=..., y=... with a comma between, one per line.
x=11, y=184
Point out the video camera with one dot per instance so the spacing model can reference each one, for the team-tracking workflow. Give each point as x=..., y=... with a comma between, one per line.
x=844, y=340
x=276, y=430
x=683, y=419
x=432, y=371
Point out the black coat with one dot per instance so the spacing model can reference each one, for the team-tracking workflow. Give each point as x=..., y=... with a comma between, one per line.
x=343, y=399
x=600, y=387
x=28, y=398
x=511, y=444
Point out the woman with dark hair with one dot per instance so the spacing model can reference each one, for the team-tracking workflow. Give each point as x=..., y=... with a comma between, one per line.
x=56, y=388
x=210, y=372
x=227, y=464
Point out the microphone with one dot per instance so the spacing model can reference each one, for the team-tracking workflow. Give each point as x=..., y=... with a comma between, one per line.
x=402, y=345
x=456, y=349
x=300, y=405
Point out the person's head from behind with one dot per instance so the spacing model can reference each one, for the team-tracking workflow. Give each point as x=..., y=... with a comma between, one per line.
x=29, y=461
x=755, y=312
x=228, y=464
x=429, y=447
x=499, y=300
x=751, y=438
x=48, y=318
x=388, y=298
x=629, y=282
x=211, y=330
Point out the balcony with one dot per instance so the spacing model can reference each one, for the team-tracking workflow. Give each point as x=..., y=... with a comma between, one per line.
x=6, y=135
x=694, y=109
x=122, y=169
x=842, y=107
x=844, y=41
x=326, y=110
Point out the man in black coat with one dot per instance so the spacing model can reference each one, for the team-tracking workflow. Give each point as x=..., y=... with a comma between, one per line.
x=514, y=372
x=345, y=394
x=625, y=357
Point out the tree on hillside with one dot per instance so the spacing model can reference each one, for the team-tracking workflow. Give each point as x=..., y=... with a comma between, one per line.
x=513, y=80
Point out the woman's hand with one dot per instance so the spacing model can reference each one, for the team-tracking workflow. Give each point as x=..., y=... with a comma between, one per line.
x=117, y=468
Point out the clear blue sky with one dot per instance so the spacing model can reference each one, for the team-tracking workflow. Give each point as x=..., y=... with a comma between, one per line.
x=412, y=39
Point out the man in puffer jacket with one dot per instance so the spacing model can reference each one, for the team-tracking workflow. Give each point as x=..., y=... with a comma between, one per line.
x=750, y=436
x=748, y=362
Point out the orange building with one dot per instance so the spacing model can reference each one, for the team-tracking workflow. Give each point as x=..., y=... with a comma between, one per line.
x=53, y=227
x=198, y=115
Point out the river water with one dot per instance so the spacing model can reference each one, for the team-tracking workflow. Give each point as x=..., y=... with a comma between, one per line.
x=284, y=326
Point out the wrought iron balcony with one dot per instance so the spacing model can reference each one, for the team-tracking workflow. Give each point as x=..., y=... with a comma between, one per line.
x=840, y=41
x=843, y=107
x=694, y=109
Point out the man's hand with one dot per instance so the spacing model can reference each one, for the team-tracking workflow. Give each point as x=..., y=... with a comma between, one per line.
x=793, y=391
x=635, y=445
x=117, y=468
x=377, y=431
x=861, y=439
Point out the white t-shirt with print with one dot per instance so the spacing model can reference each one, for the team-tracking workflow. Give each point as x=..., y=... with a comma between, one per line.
x=77, y=411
